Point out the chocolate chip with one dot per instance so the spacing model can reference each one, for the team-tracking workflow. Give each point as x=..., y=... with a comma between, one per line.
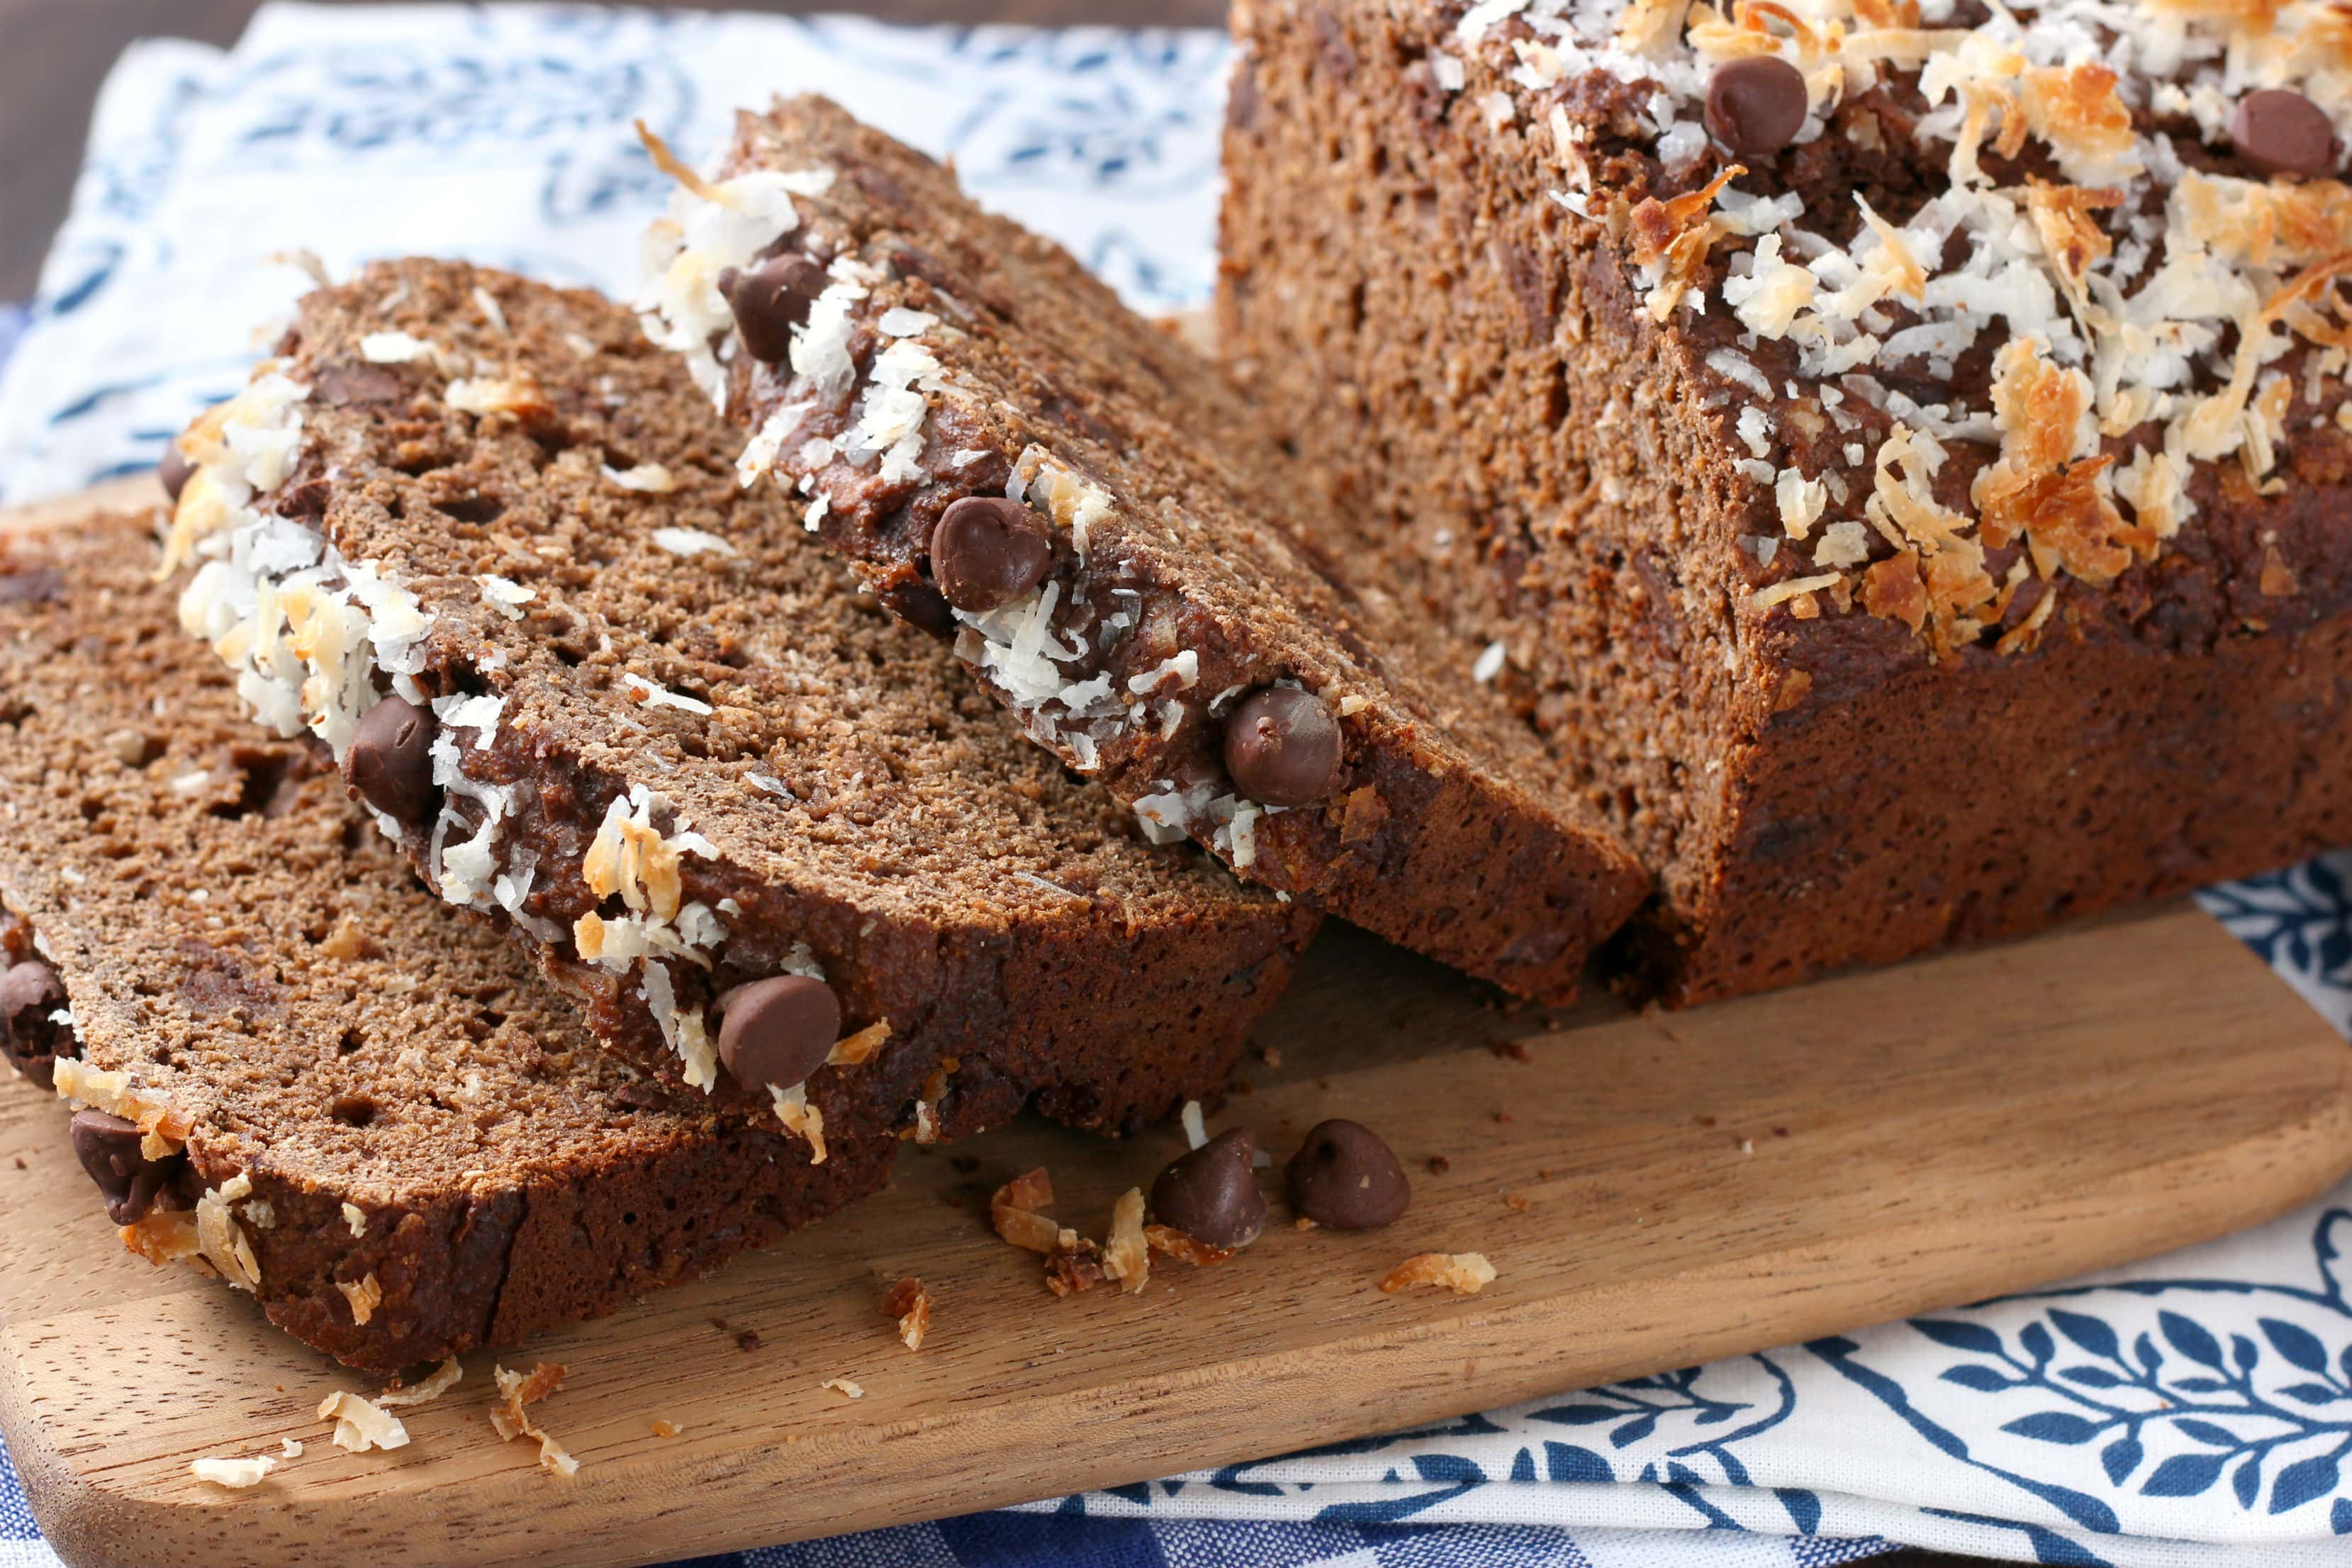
x=108, y=1147
x=390, y=763
x=918, y=605
x=1211, y=1194
x=988, y=550
x=29, y=993
x=1345, y=1177
x=779, y=1030
x=2282, y=132
x=770, y=301
x=1756, y=105
x=1282, y=746
x=174, y=470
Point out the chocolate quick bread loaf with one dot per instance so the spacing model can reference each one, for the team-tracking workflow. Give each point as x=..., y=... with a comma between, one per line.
x=292, y=1063
x=1901, y=446
x=1011, y=455
x=486, y=542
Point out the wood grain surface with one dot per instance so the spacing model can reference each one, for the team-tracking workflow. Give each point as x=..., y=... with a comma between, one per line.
x=1653, y=1190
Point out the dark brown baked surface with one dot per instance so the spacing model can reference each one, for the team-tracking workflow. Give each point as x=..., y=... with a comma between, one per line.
x=674, y=750
x=396, y=1118
x=1872, y=627
x=944, y=358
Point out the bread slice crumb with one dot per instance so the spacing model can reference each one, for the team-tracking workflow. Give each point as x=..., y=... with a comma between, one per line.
x=234, y=1474
x=1464, y=1273
x=510, y=1421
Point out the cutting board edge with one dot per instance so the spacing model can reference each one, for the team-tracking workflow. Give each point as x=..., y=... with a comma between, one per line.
x=94, y=1524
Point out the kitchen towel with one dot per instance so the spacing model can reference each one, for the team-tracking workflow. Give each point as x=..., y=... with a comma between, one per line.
x=2196, y=1409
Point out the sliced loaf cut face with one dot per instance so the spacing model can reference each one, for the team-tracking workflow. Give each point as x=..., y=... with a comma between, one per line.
x=359, y=1105
x=1011, y=455
x=650, y=724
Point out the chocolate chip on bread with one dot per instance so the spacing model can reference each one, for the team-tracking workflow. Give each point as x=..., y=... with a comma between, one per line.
x=292, y=1063
x=1124, y=556
x=1901, y=451
x=487, y=544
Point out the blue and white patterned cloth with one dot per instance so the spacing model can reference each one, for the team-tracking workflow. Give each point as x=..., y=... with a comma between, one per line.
x=2192, y=1410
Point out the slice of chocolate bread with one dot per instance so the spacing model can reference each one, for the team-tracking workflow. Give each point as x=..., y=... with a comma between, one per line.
x=297, y=1066
x=1011, y=455
x=1904, y=449
x=487, y=544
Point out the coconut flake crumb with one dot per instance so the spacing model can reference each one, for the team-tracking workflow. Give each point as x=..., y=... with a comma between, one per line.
x=844, y=1387
x=353, y=1218
x=511, y=1420
x=646, y=479
x=505, y=595
x=690, y=542
x=909, y=1303
x=1464, y=1273
x=359, y=1424
x=234, y=1474
x=440, y=1381
x=1196, y=1128
x=394, y=348
x=1489, y=663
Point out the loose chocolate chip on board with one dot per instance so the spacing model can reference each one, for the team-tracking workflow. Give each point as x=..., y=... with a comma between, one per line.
x=2282, y=132
x=987, y=551
x=108, y=1147
x=173, y=470
x=1211, y=1194
x=1756, y=105
x=1343, y=1176
x=771, y=300
x=1283, y=748
x=390, y=763
x=779, y=1030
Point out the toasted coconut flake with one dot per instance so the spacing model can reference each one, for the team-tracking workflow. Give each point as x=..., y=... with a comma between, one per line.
x=1013, y=1210
x=365, y=1297
x=1127, y=1256
x=2077, y=111
x=2070, y=236
x=162, y=1235
x=664, y=1429
x=359, y=1424
x=515, y=394
x=511, y=1420
x=910, y=1304
x=646, y=479
x=1671, y=239
x=670, y=163
x=794, y=1110
x=855, y=1050
x=1771, y=594
x=1464, y=1273
x=234, y=1474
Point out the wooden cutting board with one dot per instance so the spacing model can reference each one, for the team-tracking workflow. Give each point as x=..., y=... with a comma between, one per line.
x=1653, y=1190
